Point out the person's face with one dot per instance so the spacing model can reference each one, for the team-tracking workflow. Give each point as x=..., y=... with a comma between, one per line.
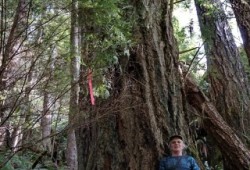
x=176, y=145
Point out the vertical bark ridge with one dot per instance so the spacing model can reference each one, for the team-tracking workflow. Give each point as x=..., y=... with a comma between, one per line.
x=146, y=104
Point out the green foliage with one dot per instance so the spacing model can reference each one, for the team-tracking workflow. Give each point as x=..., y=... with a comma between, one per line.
x=106, y=30
x=107, y=33
x=189, y=43
x=10, y=7
x=192, y=58
x=47, y=29
x=180, y=35
x=244, y=59
x=210, y=9
x=184, y=4
x=16, y=162
x=102, y=91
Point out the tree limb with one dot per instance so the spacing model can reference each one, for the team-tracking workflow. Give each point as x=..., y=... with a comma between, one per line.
x=191, y=49
x=229, y=143
x=178, y=2
x=196, y=54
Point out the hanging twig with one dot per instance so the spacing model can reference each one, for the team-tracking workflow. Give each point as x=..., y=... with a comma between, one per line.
x=185, y=51
x=178, y=2
x=196, y=54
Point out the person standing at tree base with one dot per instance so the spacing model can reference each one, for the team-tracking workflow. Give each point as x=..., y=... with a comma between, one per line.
x=177, y=161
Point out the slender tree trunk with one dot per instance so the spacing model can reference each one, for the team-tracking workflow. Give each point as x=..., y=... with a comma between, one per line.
x=28, y=123
x=74, y=93
x=11, y=49
x=20, y=135
x=17, y=137
x=14, y=42
x=10, y=72
x=46, y=119
x=46, y=122
x=130, y=130
x=241, y=10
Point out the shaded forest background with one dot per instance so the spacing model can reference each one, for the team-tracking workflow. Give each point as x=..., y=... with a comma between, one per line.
x=102, y=84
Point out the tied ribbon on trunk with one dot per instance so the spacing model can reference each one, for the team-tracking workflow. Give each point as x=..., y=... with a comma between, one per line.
x=89, y=77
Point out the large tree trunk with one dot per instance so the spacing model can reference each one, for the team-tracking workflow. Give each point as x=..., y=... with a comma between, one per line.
x=229, y=143
x=241, y=10
x=130, y=130
x=229, y=88
x=74, y=92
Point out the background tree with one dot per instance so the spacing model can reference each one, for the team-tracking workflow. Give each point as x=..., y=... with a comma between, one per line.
x=241, y=10
x=228, y=82
x=26, y=70
x=74, y=92
x=11, y=54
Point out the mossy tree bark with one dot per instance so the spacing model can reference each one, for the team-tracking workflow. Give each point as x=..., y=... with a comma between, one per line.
x=131, y=128
x=229, y=89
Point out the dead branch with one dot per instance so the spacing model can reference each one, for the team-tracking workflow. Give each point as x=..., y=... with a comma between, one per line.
x=188, y=50
x=229, y=143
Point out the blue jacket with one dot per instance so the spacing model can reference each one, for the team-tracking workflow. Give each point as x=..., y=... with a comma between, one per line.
x=178, y=163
